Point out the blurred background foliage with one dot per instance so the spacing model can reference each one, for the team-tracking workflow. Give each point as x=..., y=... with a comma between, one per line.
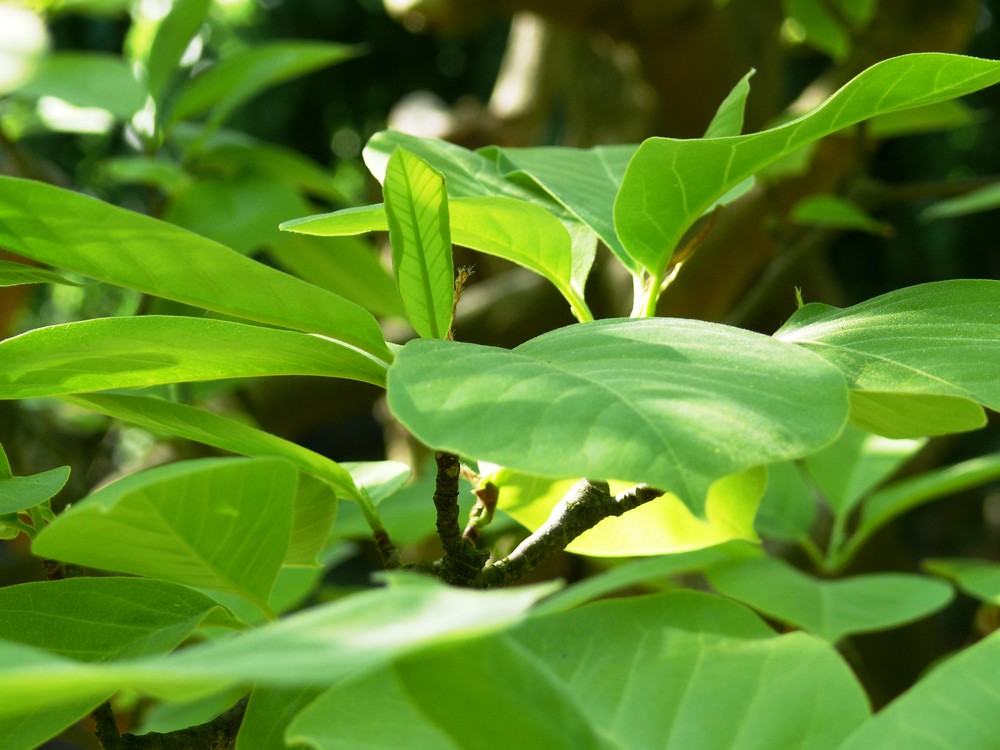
x=899, y=202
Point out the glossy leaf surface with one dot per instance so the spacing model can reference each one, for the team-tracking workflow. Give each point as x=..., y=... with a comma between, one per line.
x=670, y=183
x=673, y=403
x=416, y=210
x=105, y=353
x=80, y=234
x=830, y=609
x=216, y=523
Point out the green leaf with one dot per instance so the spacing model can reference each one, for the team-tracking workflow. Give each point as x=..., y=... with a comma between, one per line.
x=216, y=523
x=926, y=340
x=588, y=678
x=315, y=511
x=248, y=72
x=942, y=116
x=662, y=526
x=822, y=30
x=14, y=274
x=30, y=729
x=213, y=429
x=269, y=713
x=472, y=174
x=83, y=235
x=788, y=508
x=728, y=119
x=676, y=404
x=171, y=40
x=105, y=353
x=160, y=173
x=515, y=230
x=416, y=210
x=952, y=708
x=21, y=493
x=98, y=619
x=830, y=609
x=241, y=213
x=88, y=79
x=644, y=571
x=977, y=578
x=892, y=501
x=346, y=266
x=984, y=199
x=315, y=648
x=836, y=212
x=670, y=183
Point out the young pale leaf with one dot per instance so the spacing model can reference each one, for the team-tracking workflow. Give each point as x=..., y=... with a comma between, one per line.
x=728, y=119
x=830, y=609
x=670, y=183
x=88, y=79
x=245, y=74
x=106, y=353
x=931, y=340
x=21, y=493
x=660, y=527
x=92, y=238
x=97, y=619
x=416, y=210
x=172, y=37
x=676, y=404
x=521, y=232
x=836, y=212
x=952, y=708
x=215, y=523
x=213, y=429
x=977, y=578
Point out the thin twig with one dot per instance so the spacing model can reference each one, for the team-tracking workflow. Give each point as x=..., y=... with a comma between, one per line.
x=583, y=507
x=462, y=562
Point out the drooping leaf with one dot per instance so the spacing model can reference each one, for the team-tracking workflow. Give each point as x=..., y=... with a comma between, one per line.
x=836, y=212
x=21, y=493
x=728, y=119
x=209, y=428
x=216, y=523
x=952, y=708
x=88, y=79
x=416, y=210
x=892, y=501
x=172, y=37
x=984, y=199
x=515, y=230
x=245, y=74
x=105, y=353
x=98, y=619
x=591, y=677
x=830, y=609
x=930, y=340
x=977, y=578
x=673, y=403
x=83, y=235
x=670, y=183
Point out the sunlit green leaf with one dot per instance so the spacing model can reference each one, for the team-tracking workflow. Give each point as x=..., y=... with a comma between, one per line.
x=728, y=119
x=173, y=35
x=830, y=609
x=315, y=510
x=676, y=404
x=216, y=523
x=926, y=340
x=416, y=210
x=105, y=353
x=88, y=79
x=952, y=708
x=21, y=493
x=670, y=183
x=77, y=233
x=13, y=274
x=97, y=619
